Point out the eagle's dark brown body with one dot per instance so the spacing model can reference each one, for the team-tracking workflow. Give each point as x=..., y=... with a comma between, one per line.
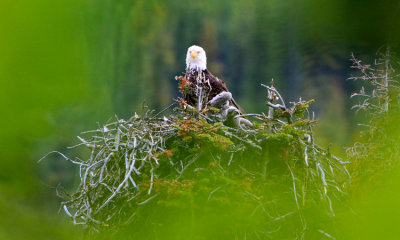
x=213, y=84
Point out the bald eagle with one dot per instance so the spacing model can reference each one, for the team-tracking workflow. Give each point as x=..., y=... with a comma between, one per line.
x=198, y=74
x=201, y=89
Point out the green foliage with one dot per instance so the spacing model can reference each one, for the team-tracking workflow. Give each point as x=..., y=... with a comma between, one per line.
x=198, y=135
x=377, y=147
x=375, y=154
x=45, y=94
x=301, y=107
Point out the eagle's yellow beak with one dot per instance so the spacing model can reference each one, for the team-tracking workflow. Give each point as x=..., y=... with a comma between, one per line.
x=194, y=54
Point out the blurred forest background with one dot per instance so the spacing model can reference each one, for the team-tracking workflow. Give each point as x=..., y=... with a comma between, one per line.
x=66, y=66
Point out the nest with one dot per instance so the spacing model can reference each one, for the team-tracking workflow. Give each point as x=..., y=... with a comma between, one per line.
x=269, y=173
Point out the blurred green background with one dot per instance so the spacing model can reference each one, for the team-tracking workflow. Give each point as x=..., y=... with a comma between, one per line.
x=67, y=65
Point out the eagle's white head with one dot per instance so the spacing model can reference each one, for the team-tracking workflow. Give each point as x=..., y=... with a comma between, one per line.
x=196, y=58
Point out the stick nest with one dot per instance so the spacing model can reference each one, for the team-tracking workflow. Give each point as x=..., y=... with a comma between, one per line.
x=186, y=160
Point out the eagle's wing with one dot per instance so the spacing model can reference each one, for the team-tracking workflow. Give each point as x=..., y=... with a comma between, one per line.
x=219, y=86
